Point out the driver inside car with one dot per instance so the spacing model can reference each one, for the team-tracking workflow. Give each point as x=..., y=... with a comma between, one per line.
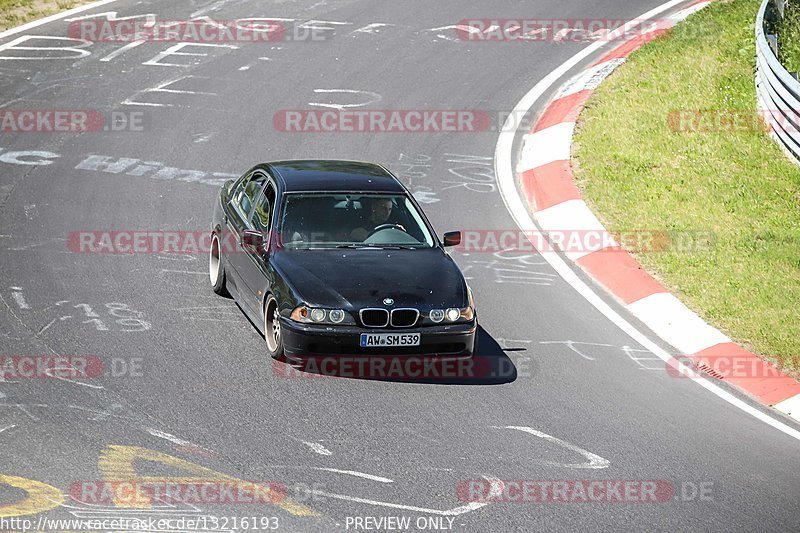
x=380, y=210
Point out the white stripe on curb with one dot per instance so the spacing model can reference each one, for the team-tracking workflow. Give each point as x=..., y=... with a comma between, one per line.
x=590, y=78
x=550, y=144
x=572, y=216
x=671, y=320
x=791, y=406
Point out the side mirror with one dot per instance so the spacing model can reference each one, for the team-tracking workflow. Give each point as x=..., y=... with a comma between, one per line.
x=252, y=238
x=452, y=238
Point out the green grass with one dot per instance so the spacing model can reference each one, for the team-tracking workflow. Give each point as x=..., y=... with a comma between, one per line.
x=788, y=31
x=637, y=173
x=16, y=12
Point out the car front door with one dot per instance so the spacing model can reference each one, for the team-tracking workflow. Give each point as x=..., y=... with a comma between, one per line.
x=251, y=263
x=242, y=204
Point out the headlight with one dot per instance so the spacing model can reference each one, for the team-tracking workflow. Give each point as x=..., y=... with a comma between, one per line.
x=316, y=315
x=436, y=315
x=452, y=314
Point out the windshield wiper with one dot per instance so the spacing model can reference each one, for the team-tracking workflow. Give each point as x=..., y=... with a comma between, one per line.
x=376, y=246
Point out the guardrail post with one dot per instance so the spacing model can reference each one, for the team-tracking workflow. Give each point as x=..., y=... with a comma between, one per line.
x=780, y=5
x=772, y=40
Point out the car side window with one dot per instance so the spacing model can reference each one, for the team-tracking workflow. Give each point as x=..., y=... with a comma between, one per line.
x=247, y=192
x=264, y=209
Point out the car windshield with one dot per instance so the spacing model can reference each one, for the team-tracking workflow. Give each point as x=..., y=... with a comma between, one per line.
x=330, y=220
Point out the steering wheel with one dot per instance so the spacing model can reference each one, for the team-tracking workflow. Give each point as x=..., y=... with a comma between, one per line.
x=386, y=226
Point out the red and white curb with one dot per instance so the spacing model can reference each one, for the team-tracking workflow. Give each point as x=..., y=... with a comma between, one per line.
x=545, y=178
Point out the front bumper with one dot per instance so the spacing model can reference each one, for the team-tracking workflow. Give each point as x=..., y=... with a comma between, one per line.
x=313, y=340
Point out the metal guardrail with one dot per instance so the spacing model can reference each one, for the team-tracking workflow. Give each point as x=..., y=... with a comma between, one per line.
x=777, y=90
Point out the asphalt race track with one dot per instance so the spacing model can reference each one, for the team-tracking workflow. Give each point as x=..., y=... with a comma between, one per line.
x=571, y=397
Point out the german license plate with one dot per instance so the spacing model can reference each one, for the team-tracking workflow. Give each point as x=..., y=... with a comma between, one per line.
x=378, y=340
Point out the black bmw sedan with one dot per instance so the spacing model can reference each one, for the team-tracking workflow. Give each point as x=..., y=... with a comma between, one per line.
x=337, y=258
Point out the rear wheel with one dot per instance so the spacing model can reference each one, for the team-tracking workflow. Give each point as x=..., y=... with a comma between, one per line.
x=216, y=267
x=272, y=329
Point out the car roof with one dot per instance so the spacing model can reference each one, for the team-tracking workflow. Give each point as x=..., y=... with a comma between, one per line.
x=334, y=175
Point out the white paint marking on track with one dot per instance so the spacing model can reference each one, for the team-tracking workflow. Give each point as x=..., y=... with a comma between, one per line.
x=595, y=461
x=450, y=512
x=81, y=383
x=7, y=427
x=19, y=298
x=496, y=486
x=162, y=88
x=374, y=97
x=51, y=18
x=506, y=182
x=171, y=438
x=120, y=51
x=24, y=409
x=457, y=27
x=372, y=28
x=216, y=6
x=357, y=474
x=571, y=346
x=46, y=327
x=317, y=448
x=175, y=50
x=100, y=415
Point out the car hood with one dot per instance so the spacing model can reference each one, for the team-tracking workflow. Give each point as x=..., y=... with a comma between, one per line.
x=421, y=278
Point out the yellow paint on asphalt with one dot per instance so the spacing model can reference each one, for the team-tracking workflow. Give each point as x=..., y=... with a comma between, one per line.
x=40, y=497
x=116, y=463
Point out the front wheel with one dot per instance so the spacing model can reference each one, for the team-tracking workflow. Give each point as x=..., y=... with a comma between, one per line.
x=272, y=329
x=216, y=267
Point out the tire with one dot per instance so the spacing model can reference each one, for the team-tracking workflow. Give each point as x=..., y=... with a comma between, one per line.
x=273, y=334
x=216, y=267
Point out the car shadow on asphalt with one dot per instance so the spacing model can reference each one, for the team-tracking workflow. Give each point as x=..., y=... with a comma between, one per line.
x=488, y=366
